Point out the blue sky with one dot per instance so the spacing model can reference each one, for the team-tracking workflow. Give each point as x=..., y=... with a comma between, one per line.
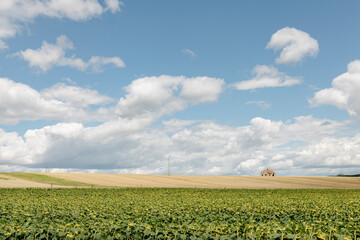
x=219, y=87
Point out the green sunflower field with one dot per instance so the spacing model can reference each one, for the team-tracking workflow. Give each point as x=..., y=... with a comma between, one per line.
x=158, y=213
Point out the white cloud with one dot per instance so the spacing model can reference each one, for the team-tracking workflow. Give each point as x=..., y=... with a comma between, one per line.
x=295, y=45
x=12, y=148
x=261, y=104
x=14, y=13
x=167, y=94
x=335, y=153
x=189, y=52
x=3, y=45
x=267, y=76
x=76, y=96
x=330, y=96
x=68, y=80
x=344, y=93
x=113, y=5
x=124, y=140
x=115, y=143
x=19, y=101
x=96, y=63
x=64, y=103
x=195, y=147
x=201, y=89
x=205, y=146
x=128, y=141
x=50, y=55
x=146, y=98
x=148, y=94
x=174, y=125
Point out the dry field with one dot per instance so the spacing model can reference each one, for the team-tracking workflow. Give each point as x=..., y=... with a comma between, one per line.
x=182, y=181
x=11, y=182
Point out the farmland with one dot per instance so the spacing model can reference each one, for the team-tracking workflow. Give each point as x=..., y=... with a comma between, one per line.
x=46, y=180
x=168, y=213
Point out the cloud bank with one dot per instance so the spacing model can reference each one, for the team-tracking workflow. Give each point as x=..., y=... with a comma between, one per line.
x=130, y=139
x=302, y=146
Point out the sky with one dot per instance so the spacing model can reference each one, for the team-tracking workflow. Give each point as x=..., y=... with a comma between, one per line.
x=216, y=87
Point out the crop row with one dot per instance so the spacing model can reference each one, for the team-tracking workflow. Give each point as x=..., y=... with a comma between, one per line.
x=179, y=214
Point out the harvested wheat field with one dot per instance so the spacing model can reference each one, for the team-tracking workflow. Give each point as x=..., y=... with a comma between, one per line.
x=11, y=182
x=186, y=181
x=182, y=181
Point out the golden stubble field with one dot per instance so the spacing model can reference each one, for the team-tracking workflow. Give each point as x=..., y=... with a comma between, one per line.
x=12, y=182
x=186, y=181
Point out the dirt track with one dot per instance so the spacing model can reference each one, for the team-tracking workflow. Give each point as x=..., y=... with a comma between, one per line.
x=249, y=182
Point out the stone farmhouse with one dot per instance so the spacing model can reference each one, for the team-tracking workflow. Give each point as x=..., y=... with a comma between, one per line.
x=267, y=172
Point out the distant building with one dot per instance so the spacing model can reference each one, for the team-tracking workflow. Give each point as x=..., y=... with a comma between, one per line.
x=267, y=172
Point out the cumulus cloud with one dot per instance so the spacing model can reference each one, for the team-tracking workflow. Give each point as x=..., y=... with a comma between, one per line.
x=189, y=52
x=74, y=95
x=12, y=149
x=344, y=93
x=201, y=89
x=115, y=143
x=19, y=101
x=14, y=13
x=167, y=94
x=149, y=97
x=128, y=141
x=267, y=76
x=195, y=147
x=261, y=104
x=211, y=148
x=124, y=133
x=61, y=102
x=295, y=45
x=49, y=55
